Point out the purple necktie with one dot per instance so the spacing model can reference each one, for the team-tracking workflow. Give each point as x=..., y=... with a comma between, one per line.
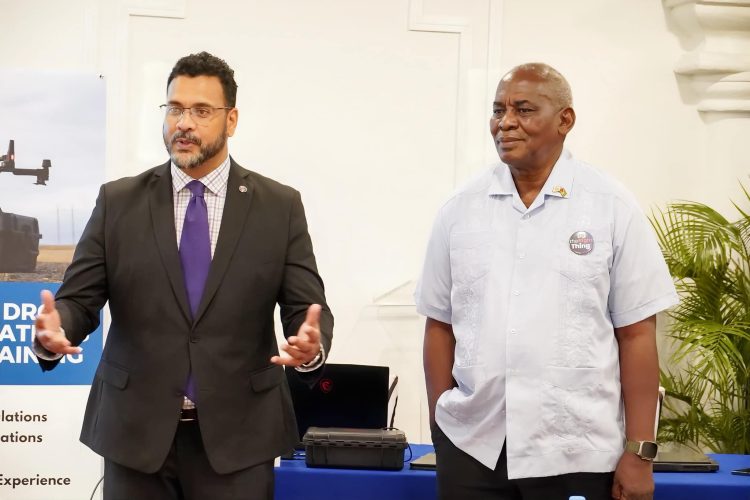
x=195, y=256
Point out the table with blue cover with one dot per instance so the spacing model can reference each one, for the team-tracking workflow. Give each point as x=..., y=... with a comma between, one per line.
x=295, y=481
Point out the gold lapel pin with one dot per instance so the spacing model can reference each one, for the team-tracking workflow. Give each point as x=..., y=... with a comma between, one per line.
x=560, y=190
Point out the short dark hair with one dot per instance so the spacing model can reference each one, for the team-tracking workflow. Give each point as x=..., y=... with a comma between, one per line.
x=205, y=64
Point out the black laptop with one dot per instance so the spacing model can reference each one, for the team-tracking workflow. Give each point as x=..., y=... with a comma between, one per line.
x=673, y=457
x=354, y=396
x=676, y=457
x=425, y=462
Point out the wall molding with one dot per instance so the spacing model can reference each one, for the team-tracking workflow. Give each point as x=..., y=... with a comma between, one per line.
x=475, y=74
x=174, y=9
x=113, y=55
x=718, y=67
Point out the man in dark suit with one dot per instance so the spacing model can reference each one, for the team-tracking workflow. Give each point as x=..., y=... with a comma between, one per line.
x=190, y=399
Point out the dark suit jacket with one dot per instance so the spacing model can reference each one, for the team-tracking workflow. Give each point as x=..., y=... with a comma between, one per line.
x=128, y=255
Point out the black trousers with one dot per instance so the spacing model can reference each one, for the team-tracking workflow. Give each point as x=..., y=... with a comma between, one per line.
x=461, y=477
x=187, y=475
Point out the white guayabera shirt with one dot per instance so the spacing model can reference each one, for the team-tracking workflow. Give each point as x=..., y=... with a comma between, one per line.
x=533, y=296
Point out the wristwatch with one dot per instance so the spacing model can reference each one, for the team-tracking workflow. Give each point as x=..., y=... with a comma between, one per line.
x=646, y=450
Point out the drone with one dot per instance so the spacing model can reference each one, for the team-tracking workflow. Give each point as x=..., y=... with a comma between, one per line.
x=8, y=164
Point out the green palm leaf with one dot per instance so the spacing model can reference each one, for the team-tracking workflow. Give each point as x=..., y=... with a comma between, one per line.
x=708, y=401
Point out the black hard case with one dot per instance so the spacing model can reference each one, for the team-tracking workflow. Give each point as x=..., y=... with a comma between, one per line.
x=354, y=448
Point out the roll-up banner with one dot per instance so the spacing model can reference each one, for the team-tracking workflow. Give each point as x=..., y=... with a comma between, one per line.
x=52, y=133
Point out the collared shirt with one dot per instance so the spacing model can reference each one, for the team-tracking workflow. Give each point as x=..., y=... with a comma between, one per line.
x=533, y=296
x=215, y=196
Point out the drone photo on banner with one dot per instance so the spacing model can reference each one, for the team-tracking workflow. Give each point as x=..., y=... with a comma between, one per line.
x=52, y=144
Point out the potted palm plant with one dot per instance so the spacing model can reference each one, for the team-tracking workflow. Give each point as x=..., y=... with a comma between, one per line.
x=708, y=378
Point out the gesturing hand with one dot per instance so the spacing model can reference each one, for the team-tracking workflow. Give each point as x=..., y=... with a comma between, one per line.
x=303, y=347
x=48, y=332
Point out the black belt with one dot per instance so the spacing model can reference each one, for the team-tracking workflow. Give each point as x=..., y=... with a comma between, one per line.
x=188, y=415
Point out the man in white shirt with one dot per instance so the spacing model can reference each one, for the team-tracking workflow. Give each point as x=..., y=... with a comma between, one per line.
x=541, y=284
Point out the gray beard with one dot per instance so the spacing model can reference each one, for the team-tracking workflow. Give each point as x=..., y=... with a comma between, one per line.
x=205, y=152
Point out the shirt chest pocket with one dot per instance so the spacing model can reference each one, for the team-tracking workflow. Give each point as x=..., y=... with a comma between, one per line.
x=584, y=255
x=470, y=256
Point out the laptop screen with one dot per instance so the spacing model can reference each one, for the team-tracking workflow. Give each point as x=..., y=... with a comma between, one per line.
x=345, y=396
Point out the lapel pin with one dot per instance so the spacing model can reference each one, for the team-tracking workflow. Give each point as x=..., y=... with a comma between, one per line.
x=560, y=190
x=243, y=189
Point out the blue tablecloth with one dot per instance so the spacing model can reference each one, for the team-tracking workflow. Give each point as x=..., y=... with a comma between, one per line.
x=296, y=481
x=720, y=485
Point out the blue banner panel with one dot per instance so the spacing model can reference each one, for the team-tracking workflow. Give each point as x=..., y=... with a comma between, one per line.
x=20, y=303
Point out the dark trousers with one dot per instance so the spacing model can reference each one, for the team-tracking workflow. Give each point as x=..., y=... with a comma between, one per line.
x=187, y=475
x=461, y=477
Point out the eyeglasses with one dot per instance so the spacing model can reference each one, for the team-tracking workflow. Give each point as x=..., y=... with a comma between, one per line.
x=199, y=114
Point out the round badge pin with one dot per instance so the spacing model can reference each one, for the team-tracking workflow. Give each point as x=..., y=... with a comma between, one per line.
x=243, y=189
x=581, y=243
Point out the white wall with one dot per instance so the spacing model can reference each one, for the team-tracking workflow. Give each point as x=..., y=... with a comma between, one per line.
x=374, y=110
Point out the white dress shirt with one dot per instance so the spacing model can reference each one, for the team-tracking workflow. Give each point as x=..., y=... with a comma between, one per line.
x=533, y=302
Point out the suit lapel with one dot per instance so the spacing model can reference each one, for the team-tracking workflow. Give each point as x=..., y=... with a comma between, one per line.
x=236, y=208
x=161, y=204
